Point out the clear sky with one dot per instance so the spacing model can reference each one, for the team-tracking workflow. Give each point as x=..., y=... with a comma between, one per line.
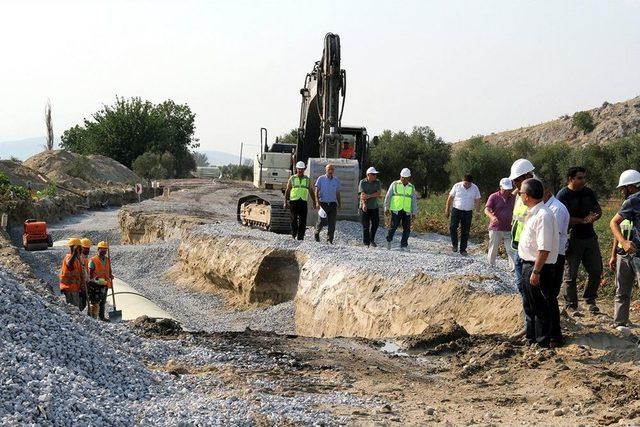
x=461, y=67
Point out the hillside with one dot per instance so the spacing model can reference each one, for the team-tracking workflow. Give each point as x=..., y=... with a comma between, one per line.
x=611, y=121
x=24, y=148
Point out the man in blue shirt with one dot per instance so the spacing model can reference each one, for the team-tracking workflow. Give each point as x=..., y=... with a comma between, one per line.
x=328, y=197
x=625, y=226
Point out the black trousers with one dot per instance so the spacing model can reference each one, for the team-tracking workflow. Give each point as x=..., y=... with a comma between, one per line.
x=537, y=302
x=298, y=210
x=556, y=332
x=460, y=219
x=331, y=209
x=396, y=219
x=370, y=222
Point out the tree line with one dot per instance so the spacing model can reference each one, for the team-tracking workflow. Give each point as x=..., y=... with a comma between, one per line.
x=436, y=165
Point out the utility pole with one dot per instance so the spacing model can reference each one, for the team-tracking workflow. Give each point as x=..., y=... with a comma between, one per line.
x=241, y=144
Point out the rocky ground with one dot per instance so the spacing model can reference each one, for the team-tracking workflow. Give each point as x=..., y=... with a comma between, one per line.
x=156, y=373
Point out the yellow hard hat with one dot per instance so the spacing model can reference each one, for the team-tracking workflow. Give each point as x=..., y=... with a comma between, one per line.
x=74, y=241
x=86, y=243
x=103, y=245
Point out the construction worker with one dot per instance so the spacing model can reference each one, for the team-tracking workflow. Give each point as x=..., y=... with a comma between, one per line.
x=100, y=271
x=328, y=202
x=295, y=198
x=71, y=272
x=84, y=260
x=370, y=189
x=625, y=226
x=347, y=150
x=401, y=201
x=521, y=169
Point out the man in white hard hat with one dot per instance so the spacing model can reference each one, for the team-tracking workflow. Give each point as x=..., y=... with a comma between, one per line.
x=521, y=169
x=625, y=226
x=499, y=209
x=402, y=203
x=370, y=189
x=463, y=198
x=295, y=198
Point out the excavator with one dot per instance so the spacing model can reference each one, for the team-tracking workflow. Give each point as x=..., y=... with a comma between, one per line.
x=321, y=140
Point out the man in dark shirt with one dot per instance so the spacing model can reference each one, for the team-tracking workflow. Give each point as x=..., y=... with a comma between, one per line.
x=583, y=248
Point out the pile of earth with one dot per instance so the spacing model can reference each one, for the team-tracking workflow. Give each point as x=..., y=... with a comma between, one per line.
x=19, y=174
x=81, y=172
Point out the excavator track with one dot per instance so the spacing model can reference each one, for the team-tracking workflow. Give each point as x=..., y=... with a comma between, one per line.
x=264, y=211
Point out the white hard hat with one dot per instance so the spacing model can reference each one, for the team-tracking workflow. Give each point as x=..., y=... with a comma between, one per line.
x=506, y=184
x=301, y=165
x=520, y=167
x=372, y=170
x=629, y=177
x=405, y=173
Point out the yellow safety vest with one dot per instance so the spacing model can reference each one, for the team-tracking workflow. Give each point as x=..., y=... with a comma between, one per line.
x=299, y=188
x=519, y=215
x=401, y=199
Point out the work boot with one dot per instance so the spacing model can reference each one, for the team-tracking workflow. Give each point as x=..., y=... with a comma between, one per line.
x=463, y=253
x=389, y=246
x=317, y=237
x=593, y=308
x=454, y=250
x=374, y=245
x=572, y=311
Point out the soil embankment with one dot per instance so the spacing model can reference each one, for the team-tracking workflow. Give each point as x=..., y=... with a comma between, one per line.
x=338, y=290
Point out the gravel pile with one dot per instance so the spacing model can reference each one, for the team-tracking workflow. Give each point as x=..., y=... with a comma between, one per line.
x=63, y=368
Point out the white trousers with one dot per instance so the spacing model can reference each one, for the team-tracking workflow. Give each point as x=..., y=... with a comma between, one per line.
x=495, y=237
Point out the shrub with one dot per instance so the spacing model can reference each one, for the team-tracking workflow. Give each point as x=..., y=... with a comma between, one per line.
x=583, y=121
x=78, y=167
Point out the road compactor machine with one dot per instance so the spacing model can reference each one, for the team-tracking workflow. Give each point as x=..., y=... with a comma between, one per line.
x=321, y=140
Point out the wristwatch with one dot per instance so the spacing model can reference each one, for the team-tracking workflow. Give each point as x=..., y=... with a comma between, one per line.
x=536, y=272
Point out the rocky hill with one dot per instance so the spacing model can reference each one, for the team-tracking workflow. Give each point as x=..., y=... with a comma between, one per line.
x=610, y=121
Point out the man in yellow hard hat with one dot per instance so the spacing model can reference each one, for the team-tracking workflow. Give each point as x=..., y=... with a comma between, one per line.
x=84, y=260
x=100, y=272
x=71, y=272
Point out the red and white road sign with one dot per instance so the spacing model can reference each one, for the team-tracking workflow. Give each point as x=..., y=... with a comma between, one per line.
x=138, y=188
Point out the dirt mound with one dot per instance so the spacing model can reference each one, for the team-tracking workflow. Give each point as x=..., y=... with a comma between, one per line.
x=611, y=121
x=18, y=174
x=81, y=172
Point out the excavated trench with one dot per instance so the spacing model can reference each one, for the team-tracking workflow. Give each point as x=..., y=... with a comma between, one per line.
x=332, y=296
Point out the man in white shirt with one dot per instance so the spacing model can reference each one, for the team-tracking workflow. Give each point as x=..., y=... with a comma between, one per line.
x=538, y=249
x=464, y=197
x=562, y=216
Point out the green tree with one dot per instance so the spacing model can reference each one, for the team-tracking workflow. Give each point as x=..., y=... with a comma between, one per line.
x=201, y=159
x=552, y=162
x=421, y=151
x=132, y=127
x=289, y=138
x=153, y=166
x=522, y=149
x=487, y=163
x=583, y=120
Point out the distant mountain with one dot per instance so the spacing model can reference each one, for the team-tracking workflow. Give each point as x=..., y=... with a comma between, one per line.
x=24, y=148
x=220, y=158
x=610, y=121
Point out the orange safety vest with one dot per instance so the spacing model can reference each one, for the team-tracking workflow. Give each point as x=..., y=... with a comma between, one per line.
x=102, y=271
x=70, y=279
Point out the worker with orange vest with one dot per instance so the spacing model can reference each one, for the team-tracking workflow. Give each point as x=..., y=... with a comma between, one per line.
x=84, y=260
x=71, y=272
x=100, y=271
